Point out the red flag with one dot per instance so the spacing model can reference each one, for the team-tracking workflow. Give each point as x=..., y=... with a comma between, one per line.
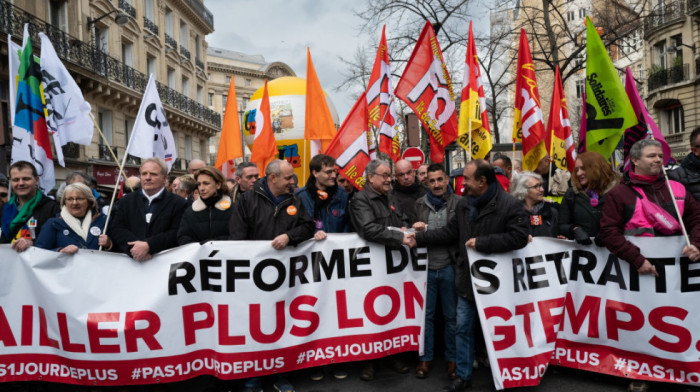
x=230, y=145
x=426, y=88
x=349, y=147
x=264, y=145
x=380, y=103
x=318, y=123
x=559, y=140
x=528, y=121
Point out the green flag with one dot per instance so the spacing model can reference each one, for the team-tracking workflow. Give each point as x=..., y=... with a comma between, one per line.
x=608, y=109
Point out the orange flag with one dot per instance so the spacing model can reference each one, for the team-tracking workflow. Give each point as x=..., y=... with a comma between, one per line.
x=264, y=145
x=349, y=147
x=318, y=124
x=528, y=124
x=559, y=140
x=230, y=146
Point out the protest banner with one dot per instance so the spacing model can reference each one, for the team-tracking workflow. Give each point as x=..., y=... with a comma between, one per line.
x=230, y=309
x=557, y=302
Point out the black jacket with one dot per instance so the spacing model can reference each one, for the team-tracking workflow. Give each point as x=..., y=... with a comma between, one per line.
x=406, y=198
x=45, y=209
x=371, y=214
x=256, y=217
x=129, y=222
x=203, y=223
x=544, y=223
x=501, y=226
x=688, y=174
x=576, y=211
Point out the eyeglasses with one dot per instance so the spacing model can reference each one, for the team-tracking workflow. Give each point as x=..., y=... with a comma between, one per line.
x=74, y=199
x=384, y=175
x=536, y=186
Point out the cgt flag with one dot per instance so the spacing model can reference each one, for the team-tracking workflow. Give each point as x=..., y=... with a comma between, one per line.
x=380, y=104
x=646, y=127
x=264, y=148
x=68, y=114
x=608, y=109
x=230, y=144
x=528, y=124
x=151, y=136
x=349, y=147
x=30, y=135
x=473, y=116
x=426, y=88
x=560, y=141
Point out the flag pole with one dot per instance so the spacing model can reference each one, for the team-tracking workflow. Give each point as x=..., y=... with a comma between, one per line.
x=111, y=151
x=551, y=144
x=469, y=153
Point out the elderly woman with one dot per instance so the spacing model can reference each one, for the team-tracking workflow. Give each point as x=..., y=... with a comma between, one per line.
x=580, y=212
x=78, y=225
x=529, y=188
x=208, y=216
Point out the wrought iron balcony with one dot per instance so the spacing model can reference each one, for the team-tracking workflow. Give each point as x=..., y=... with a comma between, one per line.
x=128, y=8
x=199, y=63
x=93, y=61
x=185, y=52
x=202, y=11
x=170, y=41
x=150, y=25
x=132, y=160
x=693, y=7
x=671, y=12
x=105, y=155
x=668, y=76
x=71, y=150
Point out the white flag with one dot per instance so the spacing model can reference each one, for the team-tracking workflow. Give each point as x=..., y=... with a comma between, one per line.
x=69, y=118
x=30, y=138
x=151, y=136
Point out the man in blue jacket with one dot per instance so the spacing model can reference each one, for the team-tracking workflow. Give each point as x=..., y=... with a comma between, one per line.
x=326, y=202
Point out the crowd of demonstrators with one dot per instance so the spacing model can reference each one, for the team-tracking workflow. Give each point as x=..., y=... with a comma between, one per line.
x=4, y=190
x=529, y=189
x=433, y=211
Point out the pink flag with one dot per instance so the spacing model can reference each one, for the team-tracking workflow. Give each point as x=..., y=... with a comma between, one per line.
x=646, y=128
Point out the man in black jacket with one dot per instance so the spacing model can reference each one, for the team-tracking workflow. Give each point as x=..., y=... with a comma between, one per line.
x=406, y=189
x=688, y=173
x=25, y=213
x=147, y=221
x=488, y=220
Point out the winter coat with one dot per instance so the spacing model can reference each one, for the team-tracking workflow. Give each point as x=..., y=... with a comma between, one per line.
x=56, y=234
x=688, y=174
x=406, y=198
x=501, y=226
x=335, y=217
x=129, y=222
x=576, y=211
x=544, y=223
x=44, y=210
x=203, y=223
x=256, y=217
x=372, y=213
x=619, y=208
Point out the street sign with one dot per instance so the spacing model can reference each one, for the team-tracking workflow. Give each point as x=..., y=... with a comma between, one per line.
x=415, y=156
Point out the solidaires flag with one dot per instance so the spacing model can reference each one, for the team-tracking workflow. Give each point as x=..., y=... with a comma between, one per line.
x=608, y=109
x=473, y=116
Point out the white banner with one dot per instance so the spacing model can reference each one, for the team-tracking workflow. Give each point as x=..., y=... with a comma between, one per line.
x=581, y=307
x=227, y=309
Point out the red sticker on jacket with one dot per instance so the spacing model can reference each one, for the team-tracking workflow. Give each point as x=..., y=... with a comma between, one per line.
x=393, y=208
x=536, y=220
x=291, y=210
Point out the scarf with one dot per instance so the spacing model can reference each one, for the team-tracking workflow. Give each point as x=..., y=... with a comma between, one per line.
x=645, y=179
x=275, y=200
x=536, y=208
x=320, y=204
x=13, y=219
x=80, y=228
x=210, y=202
x=438, y=202
x=475, y=203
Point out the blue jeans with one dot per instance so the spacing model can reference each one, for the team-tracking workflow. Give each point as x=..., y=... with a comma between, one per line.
x=466, y=316
x=441, y=283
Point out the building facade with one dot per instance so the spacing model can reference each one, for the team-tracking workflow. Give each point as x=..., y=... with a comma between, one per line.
x=249, y=73
x=110, y=47
x=671, y=34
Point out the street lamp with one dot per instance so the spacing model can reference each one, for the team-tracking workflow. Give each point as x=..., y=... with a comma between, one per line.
x=121, y=19
x=673, y=48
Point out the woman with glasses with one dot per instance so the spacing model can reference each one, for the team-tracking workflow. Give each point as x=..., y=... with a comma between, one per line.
x=79, y=225
x=580, y=212
x=528, y=187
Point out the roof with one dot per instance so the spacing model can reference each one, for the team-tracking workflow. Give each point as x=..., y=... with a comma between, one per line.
x=238, y=56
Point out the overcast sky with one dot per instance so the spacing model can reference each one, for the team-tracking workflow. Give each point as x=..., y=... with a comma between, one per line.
x=280, y=30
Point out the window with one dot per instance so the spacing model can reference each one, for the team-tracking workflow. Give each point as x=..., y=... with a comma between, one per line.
x=200, y=95
x=188, y=147
x=169, y=22
x=580, y=88
x=183, y=35
x=223, y=102
x=185, y=86
x=677, y=42
x=203, y=149
x=570, y=16
x=103, y=39
x=171, y=78
x=104, y=119
x=659, y=56
x=248, y=82
x=127, y=53
x=211, y=99
x=58, y=14
x=128, y=127
x=148, y=10
x=196, y=47
x=582, y=13
x=151, y=65
x=674, y=117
